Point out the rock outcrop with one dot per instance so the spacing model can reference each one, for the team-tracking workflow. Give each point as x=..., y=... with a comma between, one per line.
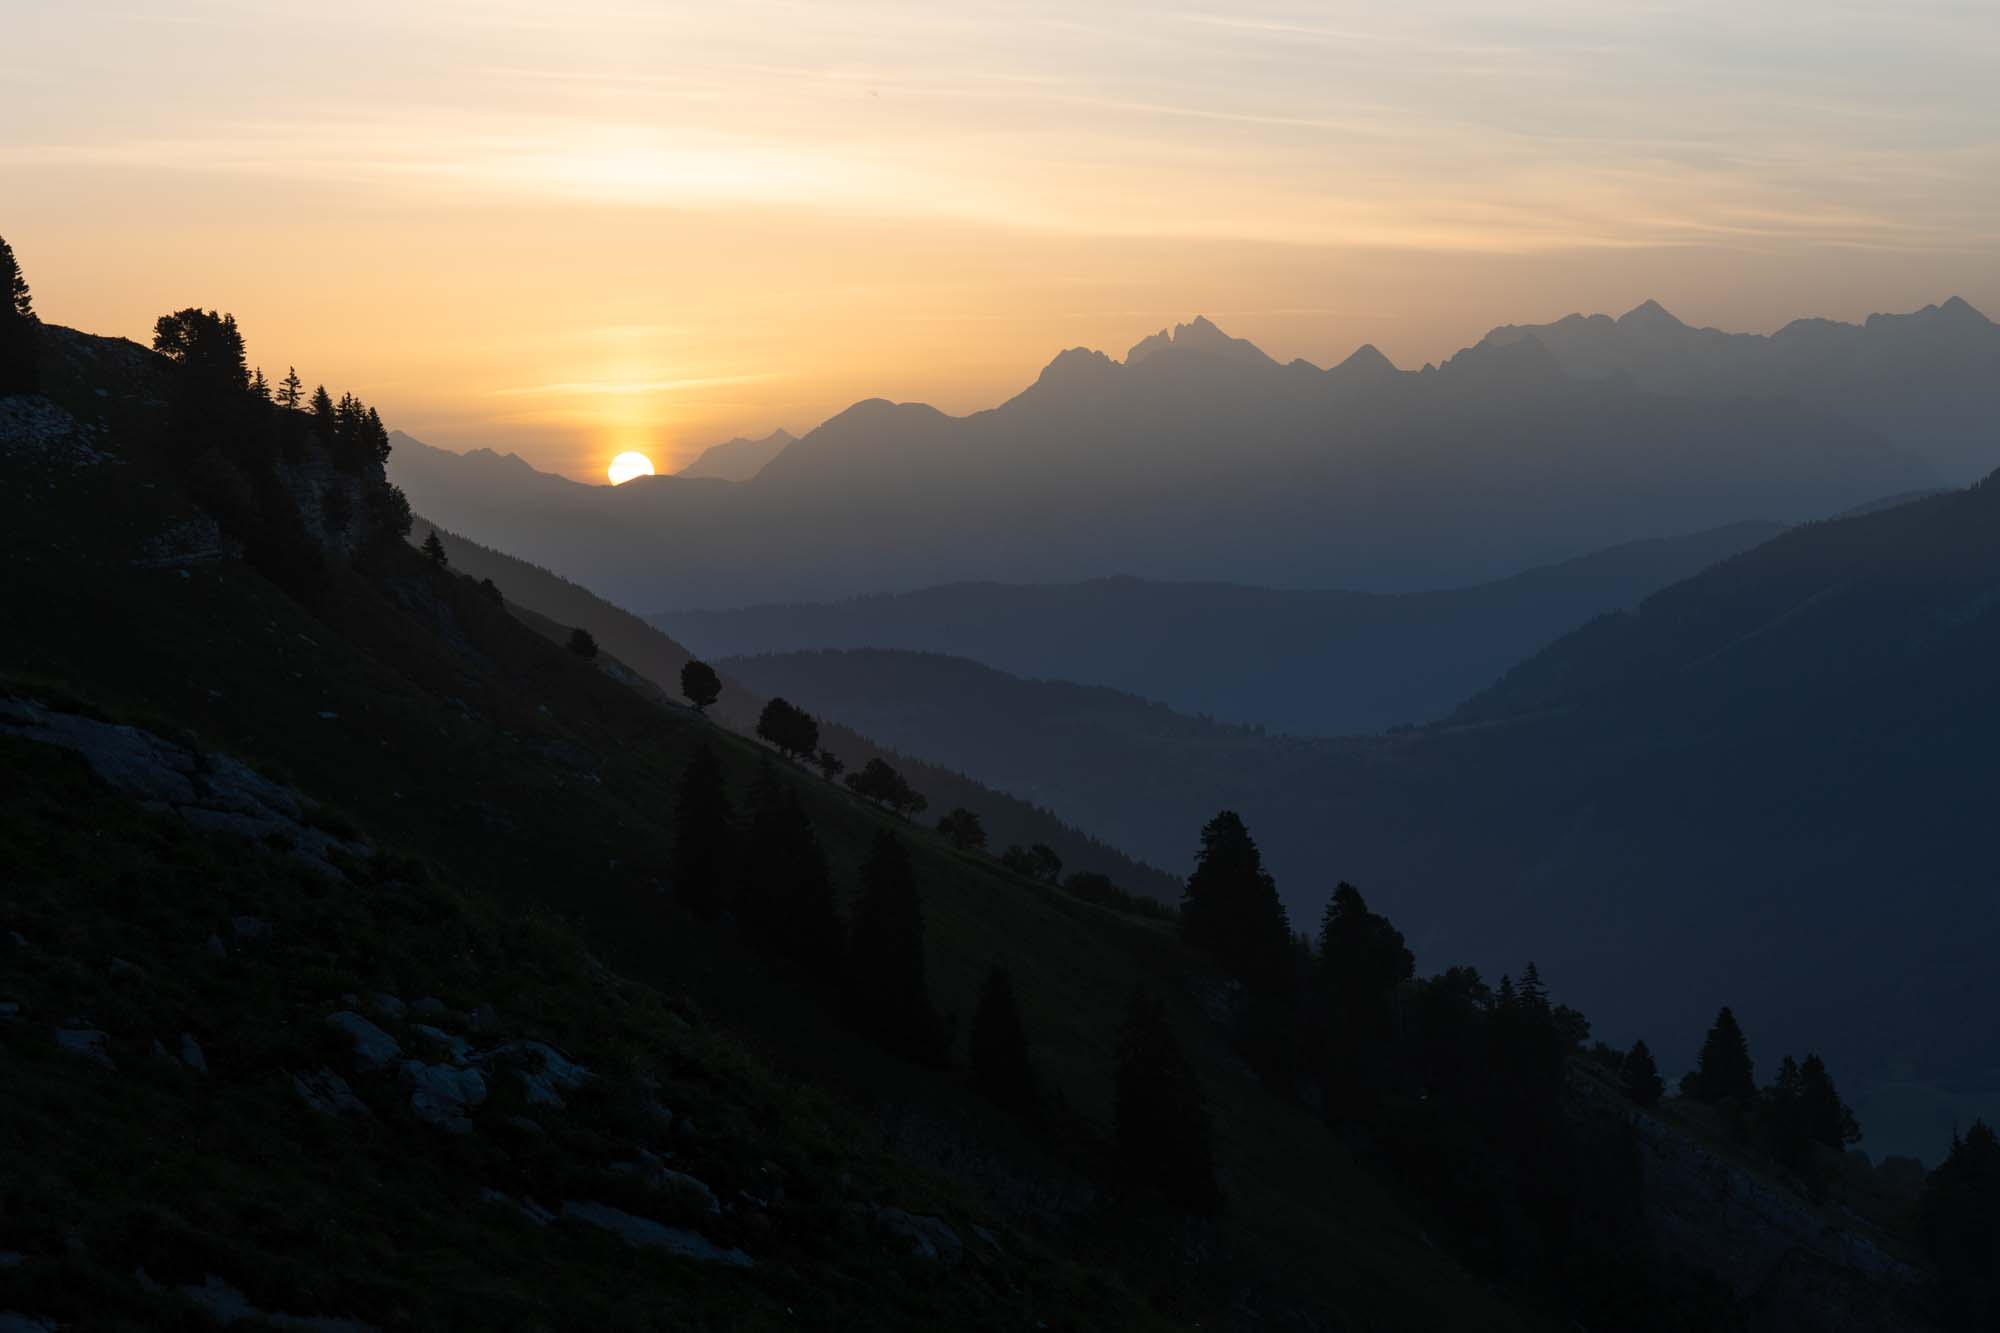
x=210, y=792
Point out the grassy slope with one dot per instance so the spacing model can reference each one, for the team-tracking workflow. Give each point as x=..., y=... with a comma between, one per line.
x=655, y=656
x=542, y=784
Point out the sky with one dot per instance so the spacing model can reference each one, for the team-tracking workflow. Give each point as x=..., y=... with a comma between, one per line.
x=570, y=230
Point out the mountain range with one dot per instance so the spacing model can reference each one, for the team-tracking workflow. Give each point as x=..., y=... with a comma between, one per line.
x=1198, y=457
x=1928, y=381
x=1753, y=789
x=1306, y=662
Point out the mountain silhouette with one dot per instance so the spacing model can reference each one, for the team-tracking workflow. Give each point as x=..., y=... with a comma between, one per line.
x=739, y=459
x=1198, y=457
x=1307, y=662
x=1928, y=381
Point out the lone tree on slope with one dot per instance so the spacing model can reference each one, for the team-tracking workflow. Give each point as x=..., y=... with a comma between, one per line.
x=789, y=729
x=582, y=643
x=434, y=548
x=700, y=684
x=964, y=829
x=830, y=765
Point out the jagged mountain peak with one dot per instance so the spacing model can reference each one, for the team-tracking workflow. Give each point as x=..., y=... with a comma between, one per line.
x=1649, y=314
x=1200, y=335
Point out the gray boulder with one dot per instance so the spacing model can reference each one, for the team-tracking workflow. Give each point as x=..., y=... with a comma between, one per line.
x=373, y=1048
x=546, y=1073
x=86, y=1042
x=648, y=1234
x=925, y=1237
x=441, y=1095
x=327, y=1093
x=191, y=1055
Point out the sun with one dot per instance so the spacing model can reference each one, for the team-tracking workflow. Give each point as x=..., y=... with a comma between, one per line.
x=627, y=466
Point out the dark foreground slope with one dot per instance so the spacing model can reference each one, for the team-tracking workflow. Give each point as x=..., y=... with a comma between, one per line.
x=1765, y=788
x=658, y=659
x=1324, y=663
x=512, y=805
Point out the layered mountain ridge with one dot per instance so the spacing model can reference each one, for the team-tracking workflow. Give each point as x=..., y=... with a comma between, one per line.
x=1199, y=457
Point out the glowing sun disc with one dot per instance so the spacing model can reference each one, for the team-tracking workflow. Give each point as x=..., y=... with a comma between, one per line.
x=627, y=466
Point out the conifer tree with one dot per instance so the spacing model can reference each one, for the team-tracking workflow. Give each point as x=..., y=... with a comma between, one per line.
x=376, y=437
x=1361, y=956
x=887, y=979
x=1159, y=1117
x=1959, y=1219
x=206, y=346
x=786, y=904
x=704, y=852
x=1828, y=1120
x=1724, y=1071
x=290, y=389
x=1230, y=907
x=260, y=386
x=322, y=411
x=1642, y=1076
x=434, y=548
x=998, y=1048
x=20, y=331
x=700, y=684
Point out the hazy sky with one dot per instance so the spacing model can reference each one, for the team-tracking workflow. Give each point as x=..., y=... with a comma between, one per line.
x=575, y=228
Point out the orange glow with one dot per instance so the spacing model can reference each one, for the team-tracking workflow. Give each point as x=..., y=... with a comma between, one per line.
x=651, y=228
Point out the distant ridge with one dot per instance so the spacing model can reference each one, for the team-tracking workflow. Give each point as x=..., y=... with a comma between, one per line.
x=1199, y=458
x=1928, y=380
x=739, y=459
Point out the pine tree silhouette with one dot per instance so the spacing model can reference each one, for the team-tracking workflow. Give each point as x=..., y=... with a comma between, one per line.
x=1828, y=1120
x=434, y=548
x=1642, y=1076
x=1724, y=1071
x=290, y=389
x=786, y=902
x=1230, y=907
x=998, y=1047
x=887, y=978
x=20, y=331
x=1159, y=1117
x=704, y=837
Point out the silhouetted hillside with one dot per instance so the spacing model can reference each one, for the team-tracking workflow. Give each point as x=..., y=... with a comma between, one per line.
x=1198, y=458
x=1311, y=663
x=658, y=659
